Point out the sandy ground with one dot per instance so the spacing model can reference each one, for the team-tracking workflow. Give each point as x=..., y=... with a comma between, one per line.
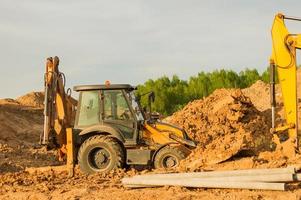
x=52, y=185
x=229, y=115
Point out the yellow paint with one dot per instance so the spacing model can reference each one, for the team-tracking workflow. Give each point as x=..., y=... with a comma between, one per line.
x=159, y=133
x=284, y=57
x=60, y=106
x=284, y=128
x=169, y=128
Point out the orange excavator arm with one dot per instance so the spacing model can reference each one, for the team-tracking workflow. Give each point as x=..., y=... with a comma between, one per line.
x=59, y=111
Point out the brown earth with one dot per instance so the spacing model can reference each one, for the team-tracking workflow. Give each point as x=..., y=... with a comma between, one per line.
x=224, y=124
x=231, y=127
x=259, y=94
x=20, y=127
x=33, y=99
x=228, y=127
x=51, y=185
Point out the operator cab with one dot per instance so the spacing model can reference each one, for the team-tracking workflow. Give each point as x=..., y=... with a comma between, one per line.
x=110, y=105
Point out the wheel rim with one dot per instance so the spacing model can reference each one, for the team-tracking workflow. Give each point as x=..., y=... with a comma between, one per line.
x=99, y=158
x=170, y=161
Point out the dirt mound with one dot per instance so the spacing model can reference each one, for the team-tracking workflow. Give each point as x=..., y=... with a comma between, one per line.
x=33, y=99
x=259, y=94
x=8, y=101
x=20, y=128
x=224, y=124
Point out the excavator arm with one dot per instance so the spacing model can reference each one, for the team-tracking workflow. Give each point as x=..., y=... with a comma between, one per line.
x=59, y=110
x=283, y=60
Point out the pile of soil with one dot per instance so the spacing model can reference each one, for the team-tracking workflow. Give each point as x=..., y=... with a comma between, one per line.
x=259, y=94
x=224, y=124
x=33, y=99
x=21, y=127
x=8, y=101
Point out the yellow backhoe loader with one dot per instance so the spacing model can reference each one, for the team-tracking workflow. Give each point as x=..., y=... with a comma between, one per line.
x=283, y=60
x=107, y=128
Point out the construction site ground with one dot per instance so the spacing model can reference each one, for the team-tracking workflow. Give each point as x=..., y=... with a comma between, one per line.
x=231, y=127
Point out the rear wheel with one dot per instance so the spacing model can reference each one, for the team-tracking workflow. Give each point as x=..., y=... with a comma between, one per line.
x=100, y=154
x=168, y=157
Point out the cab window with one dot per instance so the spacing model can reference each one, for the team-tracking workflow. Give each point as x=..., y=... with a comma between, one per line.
x=116, y=106
x=89, y=109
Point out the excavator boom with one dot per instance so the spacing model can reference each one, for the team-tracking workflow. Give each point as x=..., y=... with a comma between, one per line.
x=59, y=108
x=283, y=60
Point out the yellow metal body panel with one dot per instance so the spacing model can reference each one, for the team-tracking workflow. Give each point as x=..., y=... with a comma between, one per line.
x=284, y=57
x=60, y=107
x=158, y=133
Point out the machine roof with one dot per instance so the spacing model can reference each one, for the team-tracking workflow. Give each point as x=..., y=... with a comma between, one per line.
x=104, y=87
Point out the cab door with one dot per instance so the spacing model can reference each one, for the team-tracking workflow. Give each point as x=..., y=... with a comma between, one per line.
x=118, y=113
x=88, y=113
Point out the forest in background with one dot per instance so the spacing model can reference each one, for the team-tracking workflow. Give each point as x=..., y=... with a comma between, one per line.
x=172, y=94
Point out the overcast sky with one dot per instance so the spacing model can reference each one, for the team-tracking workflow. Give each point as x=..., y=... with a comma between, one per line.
x=130, y=41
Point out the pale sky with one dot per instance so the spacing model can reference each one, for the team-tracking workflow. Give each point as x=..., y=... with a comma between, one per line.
x=130, y=41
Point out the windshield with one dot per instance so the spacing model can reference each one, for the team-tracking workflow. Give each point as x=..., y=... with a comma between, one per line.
x=135, y=106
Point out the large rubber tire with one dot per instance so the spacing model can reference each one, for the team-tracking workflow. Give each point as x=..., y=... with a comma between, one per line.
x=168, y=157
x=100, y=154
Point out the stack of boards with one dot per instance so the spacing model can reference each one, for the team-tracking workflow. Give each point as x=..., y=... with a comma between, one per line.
x=263, y=179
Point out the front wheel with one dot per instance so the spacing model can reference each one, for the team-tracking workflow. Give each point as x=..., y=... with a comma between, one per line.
x=168, y=157
x=100, y=154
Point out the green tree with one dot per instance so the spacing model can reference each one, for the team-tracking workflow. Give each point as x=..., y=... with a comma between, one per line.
x=173, y=93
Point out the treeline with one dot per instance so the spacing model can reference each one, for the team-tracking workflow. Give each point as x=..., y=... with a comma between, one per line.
x=172, y=94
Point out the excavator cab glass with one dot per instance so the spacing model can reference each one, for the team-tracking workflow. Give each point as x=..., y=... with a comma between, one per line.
x=136, y=106
x=89, y=110
x=118, y=112
x=116, y=106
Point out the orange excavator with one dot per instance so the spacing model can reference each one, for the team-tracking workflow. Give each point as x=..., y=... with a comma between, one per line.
x=107, y=128
x=59, y=109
